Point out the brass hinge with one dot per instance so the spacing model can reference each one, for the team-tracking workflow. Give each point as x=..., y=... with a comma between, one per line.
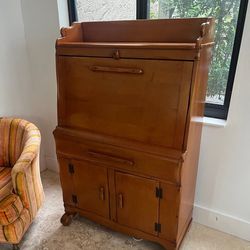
x=158, y=193
x=71, y=168
x=157, y=227
x=74, y=198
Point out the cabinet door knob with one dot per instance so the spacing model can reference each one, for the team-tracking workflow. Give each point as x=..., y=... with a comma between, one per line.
x=120, y=200
x=102, y=193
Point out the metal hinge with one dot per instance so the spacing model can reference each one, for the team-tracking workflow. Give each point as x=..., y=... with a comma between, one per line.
x=157, y=227
x=71, y=168
x=74, y=198
x=158, y=193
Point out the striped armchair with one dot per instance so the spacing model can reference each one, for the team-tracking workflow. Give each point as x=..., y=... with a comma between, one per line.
x=21, y=191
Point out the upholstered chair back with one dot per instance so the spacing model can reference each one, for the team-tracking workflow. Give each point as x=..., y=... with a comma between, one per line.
x=14, y=135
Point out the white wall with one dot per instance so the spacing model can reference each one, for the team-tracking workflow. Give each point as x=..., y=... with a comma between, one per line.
x=63, y=13
x=223, y=185
x=14, y=71
x=16, y=87
x=41, y=26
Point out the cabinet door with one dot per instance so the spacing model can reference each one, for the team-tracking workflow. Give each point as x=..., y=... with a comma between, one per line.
x=137, y=204
x=91, y=187
x=169, y=207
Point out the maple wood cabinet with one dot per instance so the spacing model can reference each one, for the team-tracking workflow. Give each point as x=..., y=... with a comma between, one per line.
x=130, y=105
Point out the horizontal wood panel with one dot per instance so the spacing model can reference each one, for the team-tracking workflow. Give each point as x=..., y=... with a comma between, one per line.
x=141, y=45
x=127, y=52
x=84, y=135
x=165, y=30
x=119, y=158
x=149, y=107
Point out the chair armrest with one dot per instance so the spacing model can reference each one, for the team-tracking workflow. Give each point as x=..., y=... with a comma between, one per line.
x=29, y=153
x=26, y=174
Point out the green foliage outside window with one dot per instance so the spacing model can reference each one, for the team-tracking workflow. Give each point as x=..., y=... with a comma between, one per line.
x=226, y=14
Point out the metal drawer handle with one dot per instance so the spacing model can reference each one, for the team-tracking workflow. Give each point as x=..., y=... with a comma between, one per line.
x=116, y=70
x=102, y=193
x=120, y=200
x=106, y=157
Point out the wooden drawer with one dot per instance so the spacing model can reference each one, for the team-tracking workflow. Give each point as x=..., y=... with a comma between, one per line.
x=140, y=100
x=119, y=158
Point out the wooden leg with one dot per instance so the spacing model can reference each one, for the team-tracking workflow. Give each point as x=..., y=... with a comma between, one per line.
x=67, y=218
x=16, y=247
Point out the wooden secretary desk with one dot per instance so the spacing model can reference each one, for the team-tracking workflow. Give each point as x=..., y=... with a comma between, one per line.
x=130, y=105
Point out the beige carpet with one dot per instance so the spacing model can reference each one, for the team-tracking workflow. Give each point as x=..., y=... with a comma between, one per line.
x=46, y=232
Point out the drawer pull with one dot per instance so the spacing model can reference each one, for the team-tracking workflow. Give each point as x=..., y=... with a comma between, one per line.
x=105, y=157
x=116, y=70
x=120, y=200
x=116, y=55
x=102, y=193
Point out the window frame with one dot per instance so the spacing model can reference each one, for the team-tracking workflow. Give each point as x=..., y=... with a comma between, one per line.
x=211, y=110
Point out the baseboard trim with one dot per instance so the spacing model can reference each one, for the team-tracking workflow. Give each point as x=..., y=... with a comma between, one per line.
x=222, y=222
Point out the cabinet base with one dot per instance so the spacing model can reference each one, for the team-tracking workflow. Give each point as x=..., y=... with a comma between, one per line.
x=168, y=245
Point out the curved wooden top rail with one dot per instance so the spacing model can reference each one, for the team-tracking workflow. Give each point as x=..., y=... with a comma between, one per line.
x=187, y=33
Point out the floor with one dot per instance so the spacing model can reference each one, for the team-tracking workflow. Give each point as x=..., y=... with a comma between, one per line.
x=46, y=232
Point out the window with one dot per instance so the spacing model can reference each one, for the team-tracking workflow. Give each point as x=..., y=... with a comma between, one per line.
x=105, y=10
x=230, y=17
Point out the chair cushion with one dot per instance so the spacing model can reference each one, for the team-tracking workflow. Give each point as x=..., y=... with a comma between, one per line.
x=13, y=232
x=10, y=209
x=6, y=185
